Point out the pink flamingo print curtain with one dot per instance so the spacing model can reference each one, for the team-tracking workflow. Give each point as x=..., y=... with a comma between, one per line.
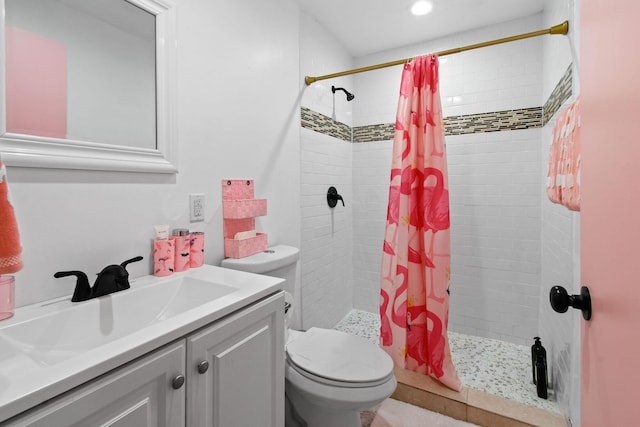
x=414, y=305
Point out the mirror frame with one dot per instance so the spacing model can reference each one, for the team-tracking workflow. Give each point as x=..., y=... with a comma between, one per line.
x=44, y=152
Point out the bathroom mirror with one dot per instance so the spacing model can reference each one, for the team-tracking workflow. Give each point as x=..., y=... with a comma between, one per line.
x=88, y=84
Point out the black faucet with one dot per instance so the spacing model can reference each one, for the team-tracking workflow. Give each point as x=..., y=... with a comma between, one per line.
x=333, y=197
x=112, y=278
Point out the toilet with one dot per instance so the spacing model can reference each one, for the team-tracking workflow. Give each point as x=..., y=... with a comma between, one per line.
x=330, y=376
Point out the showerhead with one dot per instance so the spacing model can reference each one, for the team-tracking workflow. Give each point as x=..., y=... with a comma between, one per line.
x=350, y=96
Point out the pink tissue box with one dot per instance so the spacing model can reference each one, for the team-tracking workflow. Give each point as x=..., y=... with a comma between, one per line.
x=243, y=248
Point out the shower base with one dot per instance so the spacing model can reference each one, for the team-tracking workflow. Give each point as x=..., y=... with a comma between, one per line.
x=496, y=367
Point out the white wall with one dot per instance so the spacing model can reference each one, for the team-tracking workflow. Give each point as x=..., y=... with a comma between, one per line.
x=494, y=181
x=238, y=117
x=326, y=251
x=560, y=228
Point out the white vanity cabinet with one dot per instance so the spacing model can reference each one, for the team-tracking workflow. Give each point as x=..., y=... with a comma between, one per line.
x=243, y=384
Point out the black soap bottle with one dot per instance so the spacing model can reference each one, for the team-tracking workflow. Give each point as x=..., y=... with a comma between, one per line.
x=534, y=352
x=539, y=367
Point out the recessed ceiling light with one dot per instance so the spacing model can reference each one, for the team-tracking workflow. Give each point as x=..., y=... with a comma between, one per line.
x=421, y=7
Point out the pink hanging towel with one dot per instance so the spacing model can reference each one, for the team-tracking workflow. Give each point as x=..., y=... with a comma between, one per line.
x=10, y=248
x=563, y=176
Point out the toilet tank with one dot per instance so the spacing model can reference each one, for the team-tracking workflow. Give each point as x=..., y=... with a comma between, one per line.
x=278, y=261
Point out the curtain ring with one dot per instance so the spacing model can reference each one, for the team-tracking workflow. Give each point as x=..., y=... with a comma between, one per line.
x=407, y=63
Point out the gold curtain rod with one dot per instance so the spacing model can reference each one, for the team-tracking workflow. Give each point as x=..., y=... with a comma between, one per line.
x=556, y=29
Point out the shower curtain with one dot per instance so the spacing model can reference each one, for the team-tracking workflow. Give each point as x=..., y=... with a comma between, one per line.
x=414, y=291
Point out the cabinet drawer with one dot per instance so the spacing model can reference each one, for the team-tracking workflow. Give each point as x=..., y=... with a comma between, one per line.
x=139, y=394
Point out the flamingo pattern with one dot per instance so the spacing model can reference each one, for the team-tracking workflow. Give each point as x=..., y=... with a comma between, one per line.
x=414, y=307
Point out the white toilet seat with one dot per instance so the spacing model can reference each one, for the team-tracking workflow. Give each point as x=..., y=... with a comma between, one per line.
x=334, y=383
x=338, y=359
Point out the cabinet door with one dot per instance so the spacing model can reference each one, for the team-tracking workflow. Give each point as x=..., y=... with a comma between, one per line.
x=244, y=383
x=139, y=394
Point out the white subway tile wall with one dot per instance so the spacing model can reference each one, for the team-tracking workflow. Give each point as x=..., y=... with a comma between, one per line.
x=327, y=239
x=560, y=227
x=495, y=187
x=371, y=171
x=557, y=330
x=560, y=266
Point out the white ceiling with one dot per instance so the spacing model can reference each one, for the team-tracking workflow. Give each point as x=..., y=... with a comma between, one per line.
x=369, y=26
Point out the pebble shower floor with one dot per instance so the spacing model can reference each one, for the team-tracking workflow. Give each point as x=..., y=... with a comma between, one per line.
x=497, y=367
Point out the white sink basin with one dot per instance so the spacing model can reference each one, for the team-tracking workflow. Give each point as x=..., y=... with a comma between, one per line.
x=57, y=335
x=47, y=348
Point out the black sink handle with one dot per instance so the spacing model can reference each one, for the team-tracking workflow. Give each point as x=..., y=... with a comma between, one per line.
x=82, y=290
x=129, y=261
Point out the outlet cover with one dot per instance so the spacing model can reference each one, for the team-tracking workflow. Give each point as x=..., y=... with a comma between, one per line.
x=196, y=207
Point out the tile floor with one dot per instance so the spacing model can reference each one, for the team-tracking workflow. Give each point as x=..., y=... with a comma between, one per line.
x=496, y=367
x=394, y=413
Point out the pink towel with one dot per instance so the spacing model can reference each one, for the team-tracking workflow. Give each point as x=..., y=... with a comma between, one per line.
x=563, y=176
x=10, y=248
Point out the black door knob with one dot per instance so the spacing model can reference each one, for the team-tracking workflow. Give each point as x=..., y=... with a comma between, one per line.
x=561, y=301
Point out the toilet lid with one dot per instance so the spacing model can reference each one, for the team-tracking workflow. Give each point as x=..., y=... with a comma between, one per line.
x=339, y=356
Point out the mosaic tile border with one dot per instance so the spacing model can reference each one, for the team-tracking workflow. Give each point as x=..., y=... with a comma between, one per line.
x=320, y=123
x=524, y=118
x=561, y=93
x=497, y=121
x=370, y=133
